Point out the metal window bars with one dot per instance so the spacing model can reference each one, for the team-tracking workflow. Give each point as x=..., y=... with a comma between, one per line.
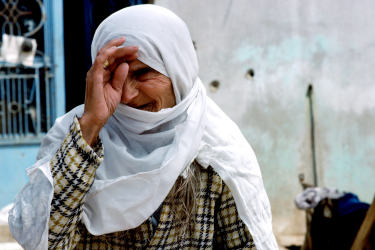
x=26, y=93
x=25, y=104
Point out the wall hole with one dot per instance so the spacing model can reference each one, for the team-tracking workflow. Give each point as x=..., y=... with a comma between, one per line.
x=195, y=47
x=250, y=74
x=214, y=85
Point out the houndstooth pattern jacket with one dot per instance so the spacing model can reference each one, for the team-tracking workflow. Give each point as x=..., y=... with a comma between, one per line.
x=217, y=224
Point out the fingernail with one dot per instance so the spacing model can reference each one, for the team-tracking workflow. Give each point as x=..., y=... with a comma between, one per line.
x=113, y=47
x=135, y=46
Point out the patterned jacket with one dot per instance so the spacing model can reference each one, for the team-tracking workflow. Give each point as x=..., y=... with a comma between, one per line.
x=217, y=224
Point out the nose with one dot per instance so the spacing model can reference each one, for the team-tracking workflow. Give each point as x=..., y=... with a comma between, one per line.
x=129, y=92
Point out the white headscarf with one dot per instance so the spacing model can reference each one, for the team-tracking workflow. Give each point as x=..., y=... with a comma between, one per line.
x=145, y=152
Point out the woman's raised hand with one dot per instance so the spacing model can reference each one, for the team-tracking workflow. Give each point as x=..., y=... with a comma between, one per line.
x=104, y=86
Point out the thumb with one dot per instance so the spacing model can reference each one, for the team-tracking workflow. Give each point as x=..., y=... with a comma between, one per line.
x=119, y=77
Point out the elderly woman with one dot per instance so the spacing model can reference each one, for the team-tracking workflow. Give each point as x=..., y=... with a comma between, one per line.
x=149, y=162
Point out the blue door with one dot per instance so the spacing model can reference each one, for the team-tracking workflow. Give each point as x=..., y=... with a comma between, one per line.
x=32, y=94
x=81, y=18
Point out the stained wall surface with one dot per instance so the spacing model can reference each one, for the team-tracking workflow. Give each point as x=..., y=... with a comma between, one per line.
x=290, y=44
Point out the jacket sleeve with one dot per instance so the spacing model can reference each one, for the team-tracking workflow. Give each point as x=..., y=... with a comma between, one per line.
x=231, y=232
x=73, y=169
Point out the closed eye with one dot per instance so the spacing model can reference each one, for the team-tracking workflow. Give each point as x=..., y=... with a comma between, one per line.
x=141, y=72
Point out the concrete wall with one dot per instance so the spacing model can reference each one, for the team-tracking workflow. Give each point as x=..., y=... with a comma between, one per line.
x=290, y=44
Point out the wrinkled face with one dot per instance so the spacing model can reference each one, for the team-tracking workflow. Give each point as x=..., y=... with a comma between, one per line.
x=147, y=89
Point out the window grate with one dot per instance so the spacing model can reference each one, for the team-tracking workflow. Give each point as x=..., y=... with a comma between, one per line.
x=25, y=104
x=26, y=93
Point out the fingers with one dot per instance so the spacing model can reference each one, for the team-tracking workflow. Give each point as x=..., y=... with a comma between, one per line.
x=119, y=77
x=112, y=67
x=100, y=59
x=114, y=55
x=125, y=51
x=106, y=52
x=113, y=43
x=124, y=54
x=127, y=58
x=121, y=55
x=116, y=58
